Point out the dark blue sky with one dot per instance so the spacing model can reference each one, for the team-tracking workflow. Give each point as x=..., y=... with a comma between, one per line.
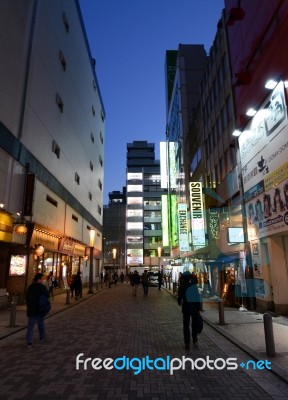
x=128, y=39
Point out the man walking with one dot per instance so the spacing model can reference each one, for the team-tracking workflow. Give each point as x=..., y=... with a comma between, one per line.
x=38, y=305
x=145, y=281
x=189, y=297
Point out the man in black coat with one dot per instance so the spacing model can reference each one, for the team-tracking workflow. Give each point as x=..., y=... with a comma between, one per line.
x=34, y=312
x=191, y=305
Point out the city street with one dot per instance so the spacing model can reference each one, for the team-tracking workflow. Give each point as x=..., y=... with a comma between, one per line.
x=112, y=324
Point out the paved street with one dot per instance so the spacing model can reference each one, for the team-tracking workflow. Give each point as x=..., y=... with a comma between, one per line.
x=114, y=324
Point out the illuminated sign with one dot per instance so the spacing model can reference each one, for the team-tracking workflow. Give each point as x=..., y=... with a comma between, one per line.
x=197, y=214
x=163, y=165
x=165, y=229
x=174, y=220
x=132, y=176
x=18, y=265
x=134, y=188
x=172, y=164
x=183, y=227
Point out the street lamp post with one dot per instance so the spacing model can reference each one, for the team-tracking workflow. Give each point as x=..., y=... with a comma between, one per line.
x=92, y=238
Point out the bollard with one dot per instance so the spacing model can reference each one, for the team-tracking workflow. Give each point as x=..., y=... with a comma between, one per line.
x=68, y=296
x=269, y=336
x=221, y=312
x=13, y=311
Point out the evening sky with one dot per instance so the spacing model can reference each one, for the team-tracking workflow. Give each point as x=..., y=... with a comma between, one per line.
x=129, y=39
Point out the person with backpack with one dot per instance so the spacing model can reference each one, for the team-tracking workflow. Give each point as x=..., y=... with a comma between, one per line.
x=38, y=305
x=189, y=298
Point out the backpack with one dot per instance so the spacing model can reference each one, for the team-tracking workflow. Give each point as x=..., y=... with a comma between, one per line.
x=192, y=294
x=44, y=305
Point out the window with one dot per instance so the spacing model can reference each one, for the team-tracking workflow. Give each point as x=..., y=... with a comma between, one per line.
x=91, y=166
x=100, y=161
x=59, y=103
x=66, y=22
x=77, y=178
x=90, y=196
x=74, y=217
x=99, y=210
x=101, y=137
x=93, y=111
x=62, y=60
x=56, y=149
x=94, y=85
x=51, y=201
x=92, y=137
x=100, y=184
x=102, y=115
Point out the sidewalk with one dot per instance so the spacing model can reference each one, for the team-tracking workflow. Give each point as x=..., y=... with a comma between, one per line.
x=246, y=330
x=243, y=328
x=59, y=304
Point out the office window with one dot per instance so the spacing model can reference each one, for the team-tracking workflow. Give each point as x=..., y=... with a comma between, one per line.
x=66, y=22
x=90, y=196
x=93, y=111
x=99, y=210
x=59, y=102
x=74, y=218
x=100, y=184
x=62, y=60
x=100, y=161
x=56, y=149
x=101, y=137
x=77, y=178
x=91, y=166
x=51, y=201
x=92, y=137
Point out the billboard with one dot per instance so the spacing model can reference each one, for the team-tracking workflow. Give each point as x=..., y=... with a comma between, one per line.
x=183, y=227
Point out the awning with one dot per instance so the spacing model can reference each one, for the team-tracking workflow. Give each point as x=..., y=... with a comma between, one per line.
x=223, y=259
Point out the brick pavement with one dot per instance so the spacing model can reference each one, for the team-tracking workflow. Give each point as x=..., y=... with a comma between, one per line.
x=112, y=323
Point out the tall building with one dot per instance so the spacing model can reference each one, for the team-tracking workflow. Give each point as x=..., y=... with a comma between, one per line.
x=52, y=123
x=114, y=228
x=143, y=214
x=182, y=103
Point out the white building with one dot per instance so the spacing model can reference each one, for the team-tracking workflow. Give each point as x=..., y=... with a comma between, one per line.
x=52, y=123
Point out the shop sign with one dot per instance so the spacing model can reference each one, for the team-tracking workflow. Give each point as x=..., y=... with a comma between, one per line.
x=197, y=214
x=66, y=245
x=183, y=227
x=17, y=265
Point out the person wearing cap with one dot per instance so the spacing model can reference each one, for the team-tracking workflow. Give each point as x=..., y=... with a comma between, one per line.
x=191, y=305
x=33, y=294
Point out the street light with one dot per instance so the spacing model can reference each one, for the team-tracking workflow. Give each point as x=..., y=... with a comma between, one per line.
x=114, y=252
x=92, y=238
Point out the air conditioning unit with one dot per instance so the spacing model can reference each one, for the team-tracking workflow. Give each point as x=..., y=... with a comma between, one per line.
x=235, y=14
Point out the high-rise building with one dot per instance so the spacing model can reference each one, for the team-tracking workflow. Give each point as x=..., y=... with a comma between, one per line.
x=52, y=123
x=114, y=224
x=143, y=213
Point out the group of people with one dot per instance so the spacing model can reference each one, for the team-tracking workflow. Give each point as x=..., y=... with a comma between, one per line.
x=188, y=297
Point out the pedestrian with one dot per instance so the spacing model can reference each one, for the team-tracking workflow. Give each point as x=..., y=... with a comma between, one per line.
x=122, y=277
x=36, y=296
x=135, y=280
x=51, y=284
x=72, y=285
x=110, y=279
x=78, y=285
x=189, y=298
x=145, y=281
x=116, y=277
x=160, y=280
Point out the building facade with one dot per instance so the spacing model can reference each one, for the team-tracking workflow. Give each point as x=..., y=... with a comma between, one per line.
x=259, y=78
x=143, y=214
x=114, y=237
x=51, y=144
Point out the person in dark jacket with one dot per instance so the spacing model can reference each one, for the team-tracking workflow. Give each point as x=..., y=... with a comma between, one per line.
x=78, y=285
x=33, y=294
x=190, y=307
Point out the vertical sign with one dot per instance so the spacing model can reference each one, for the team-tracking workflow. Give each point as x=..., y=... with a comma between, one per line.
x=183, y=227
x=197, y=214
